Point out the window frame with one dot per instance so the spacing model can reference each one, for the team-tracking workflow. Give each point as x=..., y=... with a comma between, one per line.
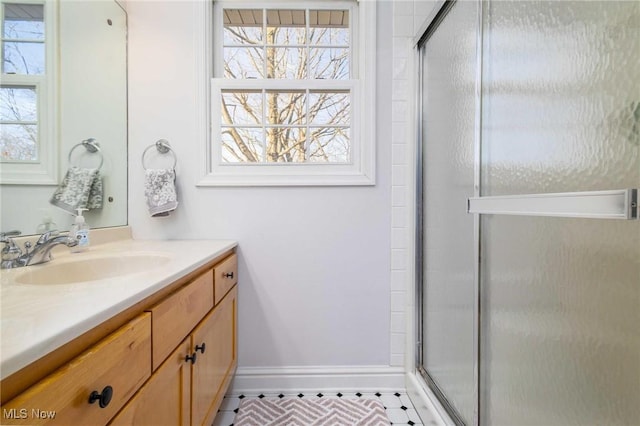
x=360, y=170
x=44, y=170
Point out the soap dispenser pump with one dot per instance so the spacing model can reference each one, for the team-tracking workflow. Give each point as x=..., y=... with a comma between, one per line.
x=80, y=232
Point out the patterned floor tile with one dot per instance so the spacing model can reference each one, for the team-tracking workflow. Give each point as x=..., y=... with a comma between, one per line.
x=398, y=406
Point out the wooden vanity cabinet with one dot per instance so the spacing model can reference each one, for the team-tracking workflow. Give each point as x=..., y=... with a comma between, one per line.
x=169, y=365
x=188, y=387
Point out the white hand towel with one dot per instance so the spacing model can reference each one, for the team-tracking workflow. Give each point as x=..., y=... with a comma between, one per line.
x=160, y=190
x=80, y=188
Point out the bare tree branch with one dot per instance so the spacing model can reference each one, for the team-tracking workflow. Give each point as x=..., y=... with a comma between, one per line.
x=237, y=138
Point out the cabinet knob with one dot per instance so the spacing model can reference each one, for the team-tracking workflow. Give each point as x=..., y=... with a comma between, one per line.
x=201, y=347
x=228, y=275
x=191, y=358
x=103, y=398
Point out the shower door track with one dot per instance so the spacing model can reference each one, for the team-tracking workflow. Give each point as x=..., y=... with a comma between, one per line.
x=433, y=386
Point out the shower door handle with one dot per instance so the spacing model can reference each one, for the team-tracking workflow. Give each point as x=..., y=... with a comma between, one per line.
x=614, y=204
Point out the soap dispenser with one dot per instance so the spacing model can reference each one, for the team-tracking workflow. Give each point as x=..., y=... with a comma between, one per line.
x=80, y=232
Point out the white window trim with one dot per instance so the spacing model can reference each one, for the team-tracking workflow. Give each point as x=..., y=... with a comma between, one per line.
x=361, y=169
x=44, y=171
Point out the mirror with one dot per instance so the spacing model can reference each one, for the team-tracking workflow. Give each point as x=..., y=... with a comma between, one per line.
x=76, y=92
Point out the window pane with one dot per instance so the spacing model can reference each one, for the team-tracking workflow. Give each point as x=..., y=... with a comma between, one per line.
x=329, y=107
x=286, y=36
x=242, y=107
x=286, y=145
x=242, y=145
x=329, y=27
x=286, y=63
x=330, y=64
x=329, y=36
x=23, y=21
x=242, y=62
x=243, y=26
x=23, y=33
x=18, y=142
x=286, y=108
x=242, y=35
x=18, y=104
x=330, y=145
x=282, y=52
x=286, y=27
x=23, y=58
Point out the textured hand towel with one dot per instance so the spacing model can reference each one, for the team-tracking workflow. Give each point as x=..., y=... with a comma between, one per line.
x=80, y=188
x=160, y=190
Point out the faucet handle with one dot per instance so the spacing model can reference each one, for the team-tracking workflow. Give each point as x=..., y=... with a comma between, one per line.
x=46, y=236
x=10, y=251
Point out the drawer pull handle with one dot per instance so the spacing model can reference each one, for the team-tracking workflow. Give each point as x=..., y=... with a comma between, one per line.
x=191, y=358
x=103, y=398
x=228, y=275
x=201, y=347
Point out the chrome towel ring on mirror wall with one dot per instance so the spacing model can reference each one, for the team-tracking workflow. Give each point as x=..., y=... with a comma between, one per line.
x=92, y=147
x=163, y=147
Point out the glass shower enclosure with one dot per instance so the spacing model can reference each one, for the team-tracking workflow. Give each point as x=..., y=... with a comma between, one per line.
x=528, y=248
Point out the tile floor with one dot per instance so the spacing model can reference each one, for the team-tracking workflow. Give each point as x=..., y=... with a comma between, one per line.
x=398, y=406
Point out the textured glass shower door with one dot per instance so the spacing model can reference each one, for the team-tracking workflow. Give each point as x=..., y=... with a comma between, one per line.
x=558, y=325
x=447, y=264
x=560, y=297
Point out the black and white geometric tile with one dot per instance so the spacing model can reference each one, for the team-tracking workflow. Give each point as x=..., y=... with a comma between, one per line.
x=397, y=405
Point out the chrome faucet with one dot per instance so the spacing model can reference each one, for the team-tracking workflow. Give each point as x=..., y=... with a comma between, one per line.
x=10, y=252
x=13, y=257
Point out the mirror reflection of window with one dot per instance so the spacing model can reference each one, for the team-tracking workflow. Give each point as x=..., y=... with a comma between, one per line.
x=23, y=80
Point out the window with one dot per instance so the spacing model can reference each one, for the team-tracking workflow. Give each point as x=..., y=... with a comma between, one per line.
x=26, y=150
x=290, y=94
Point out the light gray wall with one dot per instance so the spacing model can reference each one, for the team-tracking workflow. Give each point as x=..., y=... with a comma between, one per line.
x=314, y=262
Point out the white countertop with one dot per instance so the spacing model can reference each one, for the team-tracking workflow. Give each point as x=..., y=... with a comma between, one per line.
x=36, y=319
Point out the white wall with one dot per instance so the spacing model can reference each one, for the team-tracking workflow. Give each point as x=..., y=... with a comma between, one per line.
x=314, y=262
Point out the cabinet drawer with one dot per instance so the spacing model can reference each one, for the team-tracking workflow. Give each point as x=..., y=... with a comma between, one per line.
x=121, y=361
x=174, y=318
x=225, y=276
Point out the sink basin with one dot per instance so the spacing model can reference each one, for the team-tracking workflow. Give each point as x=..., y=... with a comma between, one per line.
x=89, y=269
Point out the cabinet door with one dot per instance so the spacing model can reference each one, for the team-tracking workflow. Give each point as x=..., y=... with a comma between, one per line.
x=215, y=365
x=164, y=399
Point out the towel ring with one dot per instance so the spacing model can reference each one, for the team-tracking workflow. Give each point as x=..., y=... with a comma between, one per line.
x=163, y=147
x=91, y=146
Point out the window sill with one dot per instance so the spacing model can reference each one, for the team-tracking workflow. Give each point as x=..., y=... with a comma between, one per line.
x=222, y=177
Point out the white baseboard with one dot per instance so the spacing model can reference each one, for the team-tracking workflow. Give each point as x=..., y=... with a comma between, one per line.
x=425, y=402
x=320, y=378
